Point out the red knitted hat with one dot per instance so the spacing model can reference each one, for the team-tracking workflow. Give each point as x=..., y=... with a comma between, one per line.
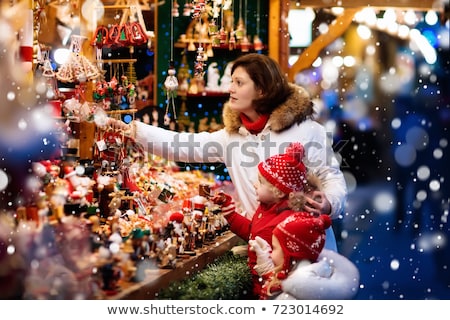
x=286, y=171
x=302, y=236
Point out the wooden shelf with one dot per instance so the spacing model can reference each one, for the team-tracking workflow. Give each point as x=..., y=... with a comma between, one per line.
x=117, y=60
x=158, y=279
x=221, y=47
x=121, y=111
x=215, y=94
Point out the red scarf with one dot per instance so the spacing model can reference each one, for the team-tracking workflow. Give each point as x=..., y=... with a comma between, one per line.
x=266, y=292
x=254, y=127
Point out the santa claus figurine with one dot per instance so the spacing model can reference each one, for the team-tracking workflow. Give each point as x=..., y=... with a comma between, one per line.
x=79, y=187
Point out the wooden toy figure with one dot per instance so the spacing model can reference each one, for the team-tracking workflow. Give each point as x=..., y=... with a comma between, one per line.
x=111, y=274
x=141, y=247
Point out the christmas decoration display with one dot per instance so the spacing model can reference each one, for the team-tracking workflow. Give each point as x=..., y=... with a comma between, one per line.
x=103, y=218
x=213, y=24
x=212, y=30
x=115, y=224
x=116, y=36
x=115, y=94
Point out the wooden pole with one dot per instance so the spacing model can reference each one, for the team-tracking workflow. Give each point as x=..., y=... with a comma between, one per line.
x=310, y=54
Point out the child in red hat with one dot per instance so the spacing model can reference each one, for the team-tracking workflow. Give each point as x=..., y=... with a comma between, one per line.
x=283, y=183
x=299, y=267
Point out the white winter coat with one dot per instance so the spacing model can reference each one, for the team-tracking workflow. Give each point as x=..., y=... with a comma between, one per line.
x=332, y=277
x=241, y=151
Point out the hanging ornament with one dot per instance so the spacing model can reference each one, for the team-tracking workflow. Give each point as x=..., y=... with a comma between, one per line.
x=223, y=36
x=77, y=68
x=131, y=88
x=215, y=40
x=199, y=68
x=240, y=29
x=47, y=69
x=213, y=28
x=137, y=35
x=100, y=37
x=171, y=82
x=76, y=43
x=199, y=7
x=216, y=9
x=50, y=76
x=257, y=42
x=232, y=41
x=199, y=65
x=175, y=7
x=183, y=75
x=227, y=4
x=52, y=85
x=171, y=86
x=245, y=44
x=187, y=9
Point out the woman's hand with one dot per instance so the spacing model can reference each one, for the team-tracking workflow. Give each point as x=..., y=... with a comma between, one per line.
x=317, y=203
x=116, y=124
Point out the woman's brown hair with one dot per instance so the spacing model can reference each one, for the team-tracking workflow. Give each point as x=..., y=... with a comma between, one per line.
x=268, y=77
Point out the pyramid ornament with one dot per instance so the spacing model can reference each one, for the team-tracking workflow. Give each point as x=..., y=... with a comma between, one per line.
x=50, y=76
x=77, y=68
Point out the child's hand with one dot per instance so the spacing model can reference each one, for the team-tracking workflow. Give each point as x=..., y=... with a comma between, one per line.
x=264, y=263
x=225, y=202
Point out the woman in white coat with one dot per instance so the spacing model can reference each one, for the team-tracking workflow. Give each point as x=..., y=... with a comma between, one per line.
x=264, y=114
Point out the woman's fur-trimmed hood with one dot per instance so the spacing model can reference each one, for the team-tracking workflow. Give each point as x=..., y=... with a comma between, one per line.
x=295, y=109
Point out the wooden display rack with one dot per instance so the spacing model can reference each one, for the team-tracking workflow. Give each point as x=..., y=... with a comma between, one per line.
x=158, y=279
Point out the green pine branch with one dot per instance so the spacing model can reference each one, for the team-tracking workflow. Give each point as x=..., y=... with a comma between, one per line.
x=227, y=278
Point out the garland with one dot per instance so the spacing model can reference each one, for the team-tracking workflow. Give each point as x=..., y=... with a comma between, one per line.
x=227, y=278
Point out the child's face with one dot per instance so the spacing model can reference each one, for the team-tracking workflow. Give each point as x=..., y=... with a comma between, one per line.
x=265, y=192
x=277, y=253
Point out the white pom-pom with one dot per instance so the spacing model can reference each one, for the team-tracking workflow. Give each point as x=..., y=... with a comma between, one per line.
x=100, y=117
